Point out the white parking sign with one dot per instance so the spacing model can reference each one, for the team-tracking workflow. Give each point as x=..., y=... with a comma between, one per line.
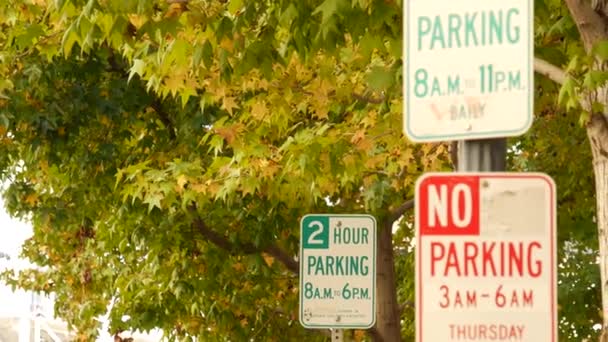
x=337, y=271
x=486, y=257
x=468, y=72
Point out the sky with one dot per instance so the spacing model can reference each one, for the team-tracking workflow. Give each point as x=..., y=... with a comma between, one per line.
x=13, y=233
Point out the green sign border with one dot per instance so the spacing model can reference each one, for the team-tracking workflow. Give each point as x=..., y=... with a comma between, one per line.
x=465, y=135
x=375, y=245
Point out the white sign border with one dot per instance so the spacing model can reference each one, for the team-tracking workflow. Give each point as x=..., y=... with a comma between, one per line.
x=553, y=237
x=466, y=135
x=301, y=280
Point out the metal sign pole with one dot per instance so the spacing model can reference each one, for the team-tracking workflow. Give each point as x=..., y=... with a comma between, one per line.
x=482, y=155
x=337, y=335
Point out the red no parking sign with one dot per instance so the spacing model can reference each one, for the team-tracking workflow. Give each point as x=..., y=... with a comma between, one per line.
x=485, y=257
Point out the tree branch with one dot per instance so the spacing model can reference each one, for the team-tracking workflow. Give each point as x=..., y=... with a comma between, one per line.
x=285, y=259
x=397, y=213
x=223, y=243
x=549, y=70
x=164, y=118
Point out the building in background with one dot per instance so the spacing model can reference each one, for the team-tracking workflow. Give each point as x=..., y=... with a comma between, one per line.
x=27, y=316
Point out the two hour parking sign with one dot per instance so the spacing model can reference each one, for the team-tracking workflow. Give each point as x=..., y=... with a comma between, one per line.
x=337, y=271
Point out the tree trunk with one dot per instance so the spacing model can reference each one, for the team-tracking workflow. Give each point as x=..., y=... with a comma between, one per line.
x=592, y=22
x=597, y=131
x=387, y=327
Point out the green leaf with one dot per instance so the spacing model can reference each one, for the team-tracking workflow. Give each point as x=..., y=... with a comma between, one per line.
x=601, y=50
x=70, y=37
x=329, y=8
x=234, y=6
x=566, y=92
x=380, y=78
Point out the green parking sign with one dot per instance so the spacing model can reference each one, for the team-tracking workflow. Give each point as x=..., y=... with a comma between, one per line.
x=337, y=271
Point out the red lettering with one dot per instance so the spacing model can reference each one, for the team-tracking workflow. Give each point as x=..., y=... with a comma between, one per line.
x=516, y=258
x=436, y=257
x=470, y=254
x=535, y=268
x=452, y=260
x=486, y=258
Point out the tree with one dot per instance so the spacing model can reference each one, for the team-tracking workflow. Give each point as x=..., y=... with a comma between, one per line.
x=584, y=90
x=165, y=151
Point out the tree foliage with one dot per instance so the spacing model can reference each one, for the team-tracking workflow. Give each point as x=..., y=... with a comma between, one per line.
x=165, y=151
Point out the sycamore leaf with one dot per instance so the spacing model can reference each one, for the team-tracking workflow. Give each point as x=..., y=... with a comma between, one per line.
x=380, y=78
x=328, y=8
x=229, y=104
x=153, y=200
x=234, y=6
x=601, y=50
x=137, y=68
x=259, y=110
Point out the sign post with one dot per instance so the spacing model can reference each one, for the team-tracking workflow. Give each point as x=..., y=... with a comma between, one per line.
x=337, y=271
x=486, y=257
x=469, y=69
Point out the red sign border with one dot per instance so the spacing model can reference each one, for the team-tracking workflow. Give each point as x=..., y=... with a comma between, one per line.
x=553, y=231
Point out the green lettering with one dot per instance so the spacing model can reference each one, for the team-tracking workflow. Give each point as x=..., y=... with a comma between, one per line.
x=424, y=28
x=311, y=263
x=469, y=29
x=364, y=233
x=319, y=266
x=354, y=266
x=364, y=266
x=437, y=34
x=495, y=28
x=339, y=265
x=337, y=235
x=454, y=23
x=512, y=31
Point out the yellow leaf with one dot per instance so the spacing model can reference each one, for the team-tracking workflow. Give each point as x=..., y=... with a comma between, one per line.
x=227, y=44
x=268, y=259
x=244, y=322
x=369, y=180
x=238, y=267
x=359, y=335
x=175, y=10
x=229, y=103
x=364, y=144
x=43, y=165
x=181, y=181
x=31, y=199
x=348, y=160
x=105, y=121
x=259, y=110
x=137, y=20
x=370, y=119
x=358, y=136
x=174, y=83
x=199, y=187
x=376, y=162
x=229, y=133
x=321, y=110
